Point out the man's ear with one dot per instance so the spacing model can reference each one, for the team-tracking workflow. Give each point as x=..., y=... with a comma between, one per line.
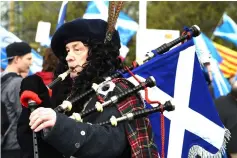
x=17, y=59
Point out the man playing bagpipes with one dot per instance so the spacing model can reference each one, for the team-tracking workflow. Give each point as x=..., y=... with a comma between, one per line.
x=90, y=52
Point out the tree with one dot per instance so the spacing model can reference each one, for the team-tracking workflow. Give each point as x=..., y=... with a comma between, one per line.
x=176, y=15
x=160, y=15
x=45, y=11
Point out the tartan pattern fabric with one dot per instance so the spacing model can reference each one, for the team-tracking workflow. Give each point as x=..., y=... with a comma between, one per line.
x=139, y=131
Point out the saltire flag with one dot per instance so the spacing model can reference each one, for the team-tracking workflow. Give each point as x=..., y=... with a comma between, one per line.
x=229, y=63
x=227, y=30
x=62, y=14
x=61, y=19
x=220, y=84
x=194, y=127
x=126, y=26
x=7, y=38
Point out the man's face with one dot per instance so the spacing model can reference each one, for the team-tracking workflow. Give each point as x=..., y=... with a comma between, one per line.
x=77, y=54
x=24, y=62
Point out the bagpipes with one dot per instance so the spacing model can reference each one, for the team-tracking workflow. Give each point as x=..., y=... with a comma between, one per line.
x=150, y=82
x=113, y=12
x=67, y=105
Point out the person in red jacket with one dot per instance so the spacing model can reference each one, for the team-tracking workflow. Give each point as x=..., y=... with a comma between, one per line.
x=49, y=65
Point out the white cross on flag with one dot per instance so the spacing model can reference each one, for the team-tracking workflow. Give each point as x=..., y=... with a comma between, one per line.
x=194, y=127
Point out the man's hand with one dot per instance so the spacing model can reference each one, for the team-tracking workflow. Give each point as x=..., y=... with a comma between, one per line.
x=42, y=118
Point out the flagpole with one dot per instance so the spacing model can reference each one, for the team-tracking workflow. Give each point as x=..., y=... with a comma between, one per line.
x=219, y=22
x=11, y=16
x=142, y=24
x=142, y=14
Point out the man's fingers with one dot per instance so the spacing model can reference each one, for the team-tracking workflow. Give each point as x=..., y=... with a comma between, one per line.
x=33, y=118
x=44, y=125
x=42, y=118
x=39, y=120
x=36, y=111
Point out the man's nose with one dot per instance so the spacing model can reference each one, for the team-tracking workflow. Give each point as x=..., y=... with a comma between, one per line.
x=70, y=57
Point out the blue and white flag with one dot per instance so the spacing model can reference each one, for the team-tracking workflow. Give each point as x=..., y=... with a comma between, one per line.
x=194, y=127
x=62, y=14
x=227, y=29
x=126, y=26
x=220, y=84
x=7, y=38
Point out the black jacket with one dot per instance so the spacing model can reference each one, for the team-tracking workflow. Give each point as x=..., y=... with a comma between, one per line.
x=69, y=137
x=85, y=140
x=227, y=109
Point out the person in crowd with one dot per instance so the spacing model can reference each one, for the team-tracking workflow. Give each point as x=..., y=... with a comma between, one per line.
x=50, y=62
x=227, y=109
x=19, y=60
